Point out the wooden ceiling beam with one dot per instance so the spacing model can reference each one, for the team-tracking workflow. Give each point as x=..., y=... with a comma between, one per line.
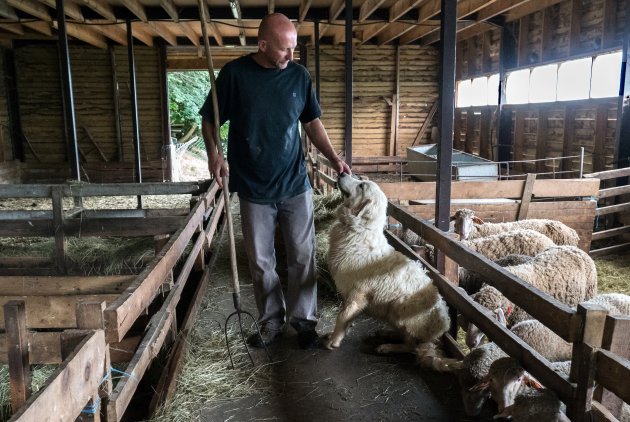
x=72, y=10
x=399, y=8
x=213, y=27
x=304, y=6
x=373, y=31
x=188, y=28
x=84, y=34
x=136, y=8
x=141, y=33
x=14, y=27
x=115, y=32
x=100, y=7
x=497, y=8
x=528, y=8
x=367, y=8
x=42, y=27
x=394, y=30
x=335, y=9
x=32, y=8
x=170, y=8
x=7, y=11
x=161, y=29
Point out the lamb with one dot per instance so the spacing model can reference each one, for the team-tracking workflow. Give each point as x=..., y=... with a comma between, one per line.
x=565, y=272
x=615, y=303
x=472, y=281
x=542, y=339
x=524, y=242
x=558, y=232
x=475, y=367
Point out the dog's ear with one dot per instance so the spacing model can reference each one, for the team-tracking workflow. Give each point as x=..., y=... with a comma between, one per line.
x=364, y=209
x=477, y=220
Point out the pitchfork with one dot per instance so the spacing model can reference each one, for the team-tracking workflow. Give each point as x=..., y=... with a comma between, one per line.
x=236, y=294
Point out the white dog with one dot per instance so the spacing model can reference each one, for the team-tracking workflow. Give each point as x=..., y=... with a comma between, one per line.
x=371, y=276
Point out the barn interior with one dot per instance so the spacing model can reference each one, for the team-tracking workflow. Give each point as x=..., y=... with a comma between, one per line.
x=115, y=268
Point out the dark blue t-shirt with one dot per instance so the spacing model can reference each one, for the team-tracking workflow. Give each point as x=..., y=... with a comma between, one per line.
x=264, y=107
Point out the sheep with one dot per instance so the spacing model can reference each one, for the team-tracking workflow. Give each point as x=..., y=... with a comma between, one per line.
x=565, y=272
x=524, y=242
x=615, y=303
x=560, y=233
x=542, y=339
x=472, y=281
x=475, y=367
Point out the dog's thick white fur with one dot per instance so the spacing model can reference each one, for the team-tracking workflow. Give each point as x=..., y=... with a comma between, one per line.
x=371, y=276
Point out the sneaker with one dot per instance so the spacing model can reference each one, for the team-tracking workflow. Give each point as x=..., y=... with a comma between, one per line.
x=308, y=339
x=265, y=338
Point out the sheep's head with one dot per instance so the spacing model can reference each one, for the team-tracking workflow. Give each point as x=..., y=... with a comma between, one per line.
x=464, y=222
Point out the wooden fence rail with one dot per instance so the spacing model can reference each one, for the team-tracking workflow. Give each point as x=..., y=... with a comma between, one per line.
x=614, y=203
x=585, y=326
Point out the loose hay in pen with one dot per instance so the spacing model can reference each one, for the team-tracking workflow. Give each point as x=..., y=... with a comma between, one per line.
x=613, y=273
x=39, y=376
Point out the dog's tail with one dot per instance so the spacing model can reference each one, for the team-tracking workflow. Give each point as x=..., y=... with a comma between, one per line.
x=430, y=356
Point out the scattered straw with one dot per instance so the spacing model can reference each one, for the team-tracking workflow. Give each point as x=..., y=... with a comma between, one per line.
x=39, y=376
x=613, y=274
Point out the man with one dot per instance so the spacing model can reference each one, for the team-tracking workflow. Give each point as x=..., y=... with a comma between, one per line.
x=265, y=96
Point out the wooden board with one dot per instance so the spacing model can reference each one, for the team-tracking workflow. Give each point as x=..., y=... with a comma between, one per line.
x=69, y=389
x=52, y=311
x=63, y=285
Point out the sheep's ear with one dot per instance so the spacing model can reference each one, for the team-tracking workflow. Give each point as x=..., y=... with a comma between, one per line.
x=500, y=315
x=482, y=385
x=453, y=218
x=532, y=382
x=477, y=220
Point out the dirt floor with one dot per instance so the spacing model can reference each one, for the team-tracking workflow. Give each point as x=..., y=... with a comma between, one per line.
x=351, y=383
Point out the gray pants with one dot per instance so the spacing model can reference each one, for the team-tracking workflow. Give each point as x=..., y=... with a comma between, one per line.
x=295, y=219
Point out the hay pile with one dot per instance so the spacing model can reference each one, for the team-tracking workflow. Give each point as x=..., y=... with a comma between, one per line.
x=324, y=207
x=39, y=376
x=613, y=273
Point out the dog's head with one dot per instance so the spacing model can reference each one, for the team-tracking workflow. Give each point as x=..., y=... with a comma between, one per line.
x=364, y=203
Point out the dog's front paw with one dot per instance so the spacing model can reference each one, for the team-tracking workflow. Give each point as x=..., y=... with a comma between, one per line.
x=329, y=343
x=384, y=349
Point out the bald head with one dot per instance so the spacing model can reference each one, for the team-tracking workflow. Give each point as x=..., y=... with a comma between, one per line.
x=274, y=25
x=277, y=38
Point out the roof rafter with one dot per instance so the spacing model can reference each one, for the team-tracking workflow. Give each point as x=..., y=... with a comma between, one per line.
x=188, y=28
x=84, y=34
x=136, y=8
x=164, y=32
x=367, y=8
x=7, y=11
x=529, y=8
x=14, y=27
x=213, y=27
x=32, y=8
x=72, y=10
x=304, y=6
x=114, y=32
x=395, y=12
x=102, y=8
x=170, y=8
x=140, y=32
x=395, y=30
x=39, y=26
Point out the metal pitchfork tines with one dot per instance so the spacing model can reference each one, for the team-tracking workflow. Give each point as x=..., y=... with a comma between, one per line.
x=238, y=313
x=236, y=295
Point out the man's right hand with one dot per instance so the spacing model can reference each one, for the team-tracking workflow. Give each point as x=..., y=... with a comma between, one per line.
x=218, y=168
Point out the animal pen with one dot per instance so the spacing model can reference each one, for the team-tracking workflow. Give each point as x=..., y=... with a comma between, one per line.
x=94, y=327
x=600, y=341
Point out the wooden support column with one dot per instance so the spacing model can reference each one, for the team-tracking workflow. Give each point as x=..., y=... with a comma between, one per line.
x=13, y=106
x=448, y=29
x=576, y=26
x=584, y=357
x=546, y=40
x=568, y=137
x=523, y=44
x=542, y=138
x=601, y=126
x=470, y=131
x=17, y=348
x=507, y=59
x=622, y=132
x=348, y=53
x=526, y=197
x=90, y=317
x=134, y=109
x=519, y=135
x=58, y=228
x=484, y=133
x=167, y=165
x=116, y=95
x=317, y=62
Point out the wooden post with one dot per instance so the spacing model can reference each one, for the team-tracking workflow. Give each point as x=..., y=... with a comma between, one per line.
x=583, y=366
x=17, y=345
x=58, y=229
x=526, y=198
x=616, y=339
x=161, y=240
x=200, y=260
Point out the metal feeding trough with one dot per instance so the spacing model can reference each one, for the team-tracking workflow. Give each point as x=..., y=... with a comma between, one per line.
x=422, y=164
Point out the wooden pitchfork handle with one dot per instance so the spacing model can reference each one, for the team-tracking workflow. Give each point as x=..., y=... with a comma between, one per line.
x=217, y=139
